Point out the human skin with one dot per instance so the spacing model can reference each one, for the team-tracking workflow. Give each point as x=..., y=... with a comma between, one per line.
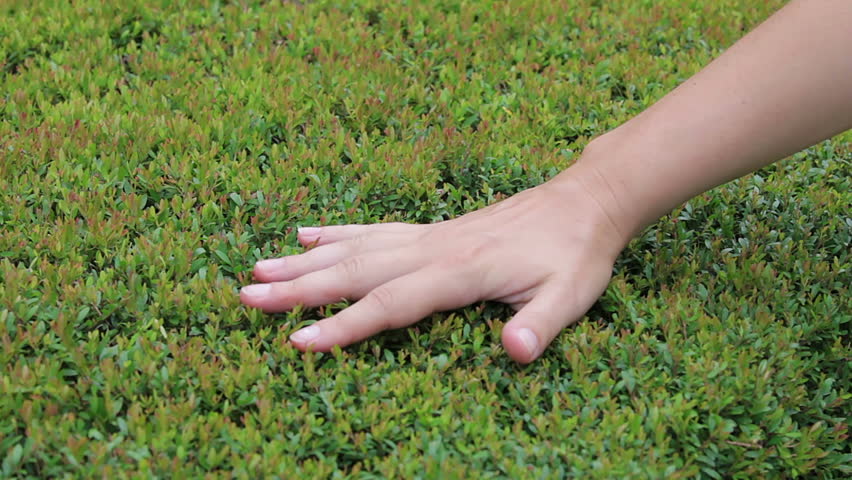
x=549, y=251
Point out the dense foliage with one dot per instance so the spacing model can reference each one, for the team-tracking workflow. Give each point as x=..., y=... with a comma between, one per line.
x=152, y=151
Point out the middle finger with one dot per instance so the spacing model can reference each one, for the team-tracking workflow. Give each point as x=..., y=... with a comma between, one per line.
x=351, y=278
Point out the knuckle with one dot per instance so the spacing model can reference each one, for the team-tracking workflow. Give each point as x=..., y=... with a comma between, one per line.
x=382, y=299
x=351, y=268
x=357, y=244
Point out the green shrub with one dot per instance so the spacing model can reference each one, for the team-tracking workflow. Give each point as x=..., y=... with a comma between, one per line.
x=151, y=152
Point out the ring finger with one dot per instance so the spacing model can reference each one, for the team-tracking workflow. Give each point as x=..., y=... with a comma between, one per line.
x=294, y=266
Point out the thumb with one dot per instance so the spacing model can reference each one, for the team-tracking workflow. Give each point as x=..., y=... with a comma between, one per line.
x=536, y=324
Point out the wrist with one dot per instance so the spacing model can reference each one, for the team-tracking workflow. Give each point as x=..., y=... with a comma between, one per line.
x=635, y=177
x=592, y=174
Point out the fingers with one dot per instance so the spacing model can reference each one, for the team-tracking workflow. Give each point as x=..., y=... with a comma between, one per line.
x=398, y=303
x=536, y=324
x=335, y=233
x=350, y=278
x=294, y=266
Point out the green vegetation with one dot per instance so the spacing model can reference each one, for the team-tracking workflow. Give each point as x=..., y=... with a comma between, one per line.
x=151, y=152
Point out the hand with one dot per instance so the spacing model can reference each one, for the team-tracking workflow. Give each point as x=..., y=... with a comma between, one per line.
x=548, y=252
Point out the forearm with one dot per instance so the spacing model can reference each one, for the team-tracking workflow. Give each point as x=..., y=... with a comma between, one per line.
x=783, y=87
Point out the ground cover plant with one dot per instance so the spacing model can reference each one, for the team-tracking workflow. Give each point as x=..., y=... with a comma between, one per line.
x=151, y=152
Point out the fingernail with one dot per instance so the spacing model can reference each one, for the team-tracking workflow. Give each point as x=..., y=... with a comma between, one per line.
x=306, y=334
x=256, y=290
x=309, y=231
x=530, y=341
x=270, y=264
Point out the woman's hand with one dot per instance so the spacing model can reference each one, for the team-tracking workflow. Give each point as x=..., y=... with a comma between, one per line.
x=548, y=252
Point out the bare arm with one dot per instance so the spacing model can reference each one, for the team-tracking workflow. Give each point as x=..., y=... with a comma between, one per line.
x=786, y=85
